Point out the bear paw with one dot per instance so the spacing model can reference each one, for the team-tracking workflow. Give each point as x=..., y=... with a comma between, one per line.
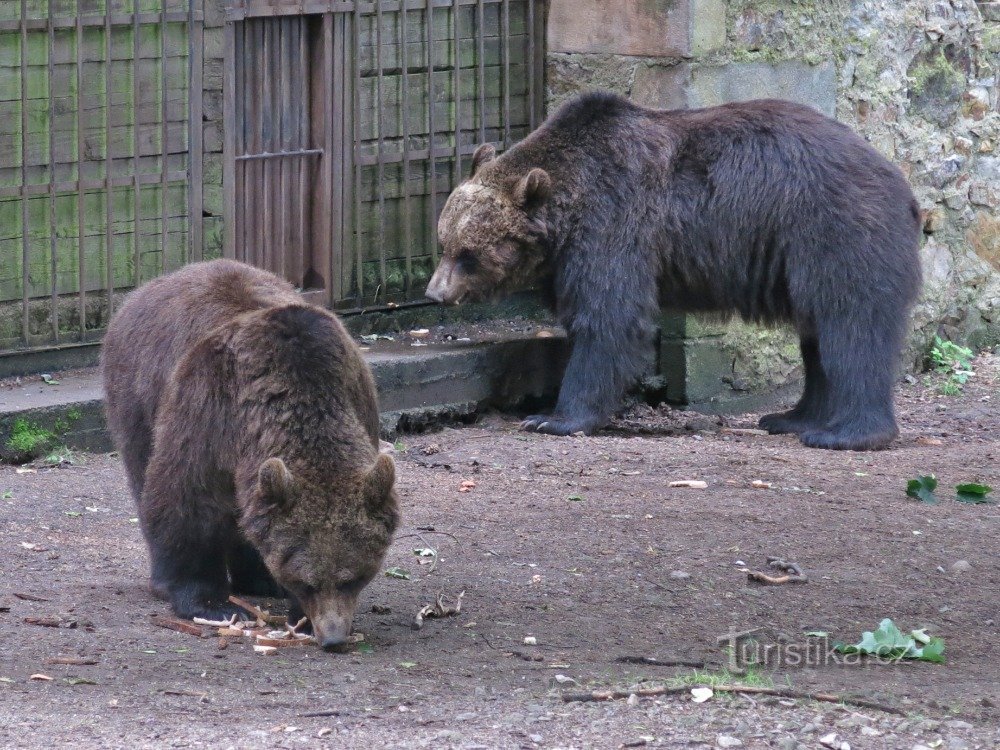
x=783, y=422
x=552, y=424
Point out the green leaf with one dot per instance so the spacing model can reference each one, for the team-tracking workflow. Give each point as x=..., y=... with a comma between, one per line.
x=7, y=495
x=575, y=498
x=399, y=446
x=78, y=681
x=49, y=380
x=365, y=648
x=974, y=494
x=73, y=513
x=922, y=488
x=398, y=573
x=888, y=642
x=407, y=664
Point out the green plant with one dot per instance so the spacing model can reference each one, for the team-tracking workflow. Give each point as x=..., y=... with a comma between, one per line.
x=889, y=642
x=28, y=439
x=948, y=358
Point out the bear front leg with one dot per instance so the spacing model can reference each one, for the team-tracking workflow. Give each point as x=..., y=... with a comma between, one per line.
x=600, y=368
x=189, y=537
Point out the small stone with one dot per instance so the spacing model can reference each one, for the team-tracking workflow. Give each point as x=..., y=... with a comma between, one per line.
x=725, y=740
x=536, y=738
x=530, y=640
x=958, y=724
x=633, y=700
x=870, y=732
x=564, y=680
x=830, y=740
x=960, y=566
x=788, y=743
x=956, y=743
x=679, y=574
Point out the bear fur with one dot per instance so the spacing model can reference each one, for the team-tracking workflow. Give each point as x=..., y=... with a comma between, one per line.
x=248, y=424
x=766, y=209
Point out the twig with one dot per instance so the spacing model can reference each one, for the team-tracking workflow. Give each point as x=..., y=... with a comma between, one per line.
x=660, y=662
x=427, y=531
x=73, y=661
x=756, y=575
x=318, y=714
x=30, y=597
x=607, y=695
x=181, y=626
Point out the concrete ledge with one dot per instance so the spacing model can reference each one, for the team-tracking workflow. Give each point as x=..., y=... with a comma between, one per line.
x=418, y=387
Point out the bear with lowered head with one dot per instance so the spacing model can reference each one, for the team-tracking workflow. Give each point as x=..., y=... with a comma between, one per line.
x=248, y=425
x=766, y=209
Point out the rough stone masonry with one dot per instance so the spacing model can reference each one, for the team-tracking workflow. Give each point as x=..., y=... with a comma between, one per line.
x=918, y=78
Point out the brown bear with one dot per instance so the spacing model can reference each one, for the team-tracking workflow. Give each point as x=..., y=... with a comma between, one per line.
x=766, y=208
x=248, y=424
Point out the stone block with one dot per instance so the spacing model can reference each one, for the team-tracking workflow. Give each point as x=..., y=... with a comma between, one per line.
x=647, y=28
x=689, y=85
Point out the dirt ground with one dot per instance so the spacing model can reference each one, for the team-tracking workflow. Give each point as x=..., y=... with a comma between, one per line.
x=578, y=543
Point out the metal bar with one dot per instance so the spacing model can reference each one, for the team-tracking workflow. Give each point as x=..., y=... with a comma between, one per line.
x=304, y=97
x=531, y=64
x=165, y=151
x=109, y=240
x=405, y=122
x=359, y=261
x=284, y=28
x=280, y=154
x=80, y=249
x=254, y=173
x=383, y=276
x=53, y=246
x=481, y=66
x=505, y=78
x=136, y=245
x=333, y=165
x=431, y=166
x=231, y=146
x=90, y=21
x=267, y=134
x=25, y=239
x=195, y=132
x=457, y=95
x=264, y=8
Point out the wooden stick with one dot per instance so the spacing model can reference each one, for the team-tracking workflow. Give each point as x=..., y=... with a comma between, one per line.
x=607, y=695
x=182, y=626
x=660, y=662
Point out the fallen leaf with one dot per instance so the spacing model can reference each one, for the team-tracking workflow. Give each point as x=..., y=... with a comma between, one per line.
x=922, y=440
x=530, y=640
x=974, y=494
x=264, y=649
x=40, y=677
x=78, y=681
x=759, y=485
x=23, y=470
x=48, y=379
x=694, y=484
x=922, y=488
x=397, y=572
x=407, y=664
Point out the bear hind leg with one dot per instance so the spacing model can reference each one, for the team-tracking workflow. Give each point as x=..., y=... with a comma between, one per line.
x=858, y=359
x=811, y=410
x=248, y=574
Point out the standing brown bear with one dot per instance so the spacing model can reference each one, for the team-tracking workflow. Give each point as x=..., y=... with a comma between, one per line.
x=765, y=208
x=248, y=424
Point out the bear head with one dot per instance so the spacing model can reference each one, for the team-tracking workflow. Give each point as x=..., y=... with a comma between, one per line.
x=491, y=232
x=323, y=538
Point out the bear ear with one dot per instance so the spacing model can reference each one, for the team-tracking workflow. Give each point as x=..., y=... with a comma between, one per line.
x=533, y=189
x=275, y=481
x=483, y=155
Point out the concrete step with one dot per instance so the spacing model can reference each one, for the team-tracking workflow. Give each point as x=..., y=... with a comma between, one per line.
x=418, y=386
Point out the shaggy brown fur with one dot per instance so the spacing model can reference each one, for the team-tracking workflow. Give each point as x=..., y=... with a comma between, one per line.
x=767, y=209
x=248, y=424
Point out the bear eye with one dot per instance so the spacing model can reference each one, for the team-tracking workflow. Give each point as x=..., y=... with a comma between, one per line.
x=467, y=260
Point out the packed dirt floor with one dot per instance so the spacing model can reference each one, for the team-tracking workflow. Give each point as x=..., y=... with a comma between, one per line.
x=574, y=554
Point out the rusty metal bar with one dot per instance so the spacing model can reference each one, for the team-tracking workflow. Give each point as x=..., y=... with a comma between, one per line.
x=136, y=205
x=232, y=101
x=505, y=77
x=25, y=239
x=383, y=276
x=531, y=64
x=80, y=249
x=456, y=94
x=53, y=245
x=109, y=239
x=356, y=78
x=481, y=66
x=164, y=148
x=303, y=104
x=431, y=166
x=195, y=133
x=405, y=129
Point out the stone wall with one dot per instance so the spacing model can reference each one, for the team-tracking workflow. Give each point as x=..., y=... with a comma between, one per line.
x=918, y=78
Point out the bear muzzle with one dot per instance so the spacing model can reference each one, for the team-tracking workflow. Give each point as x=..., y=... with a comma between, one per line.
x=443, y=286
x=332, y=621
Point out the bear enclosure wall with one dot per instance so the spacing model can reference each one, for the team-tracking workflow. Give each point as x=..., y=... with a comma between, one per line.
x=315, y=139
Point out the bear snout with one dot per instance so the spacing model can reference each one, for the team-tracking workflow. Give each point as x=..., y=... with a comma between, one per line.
x=332, y=620
x=439, y=288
